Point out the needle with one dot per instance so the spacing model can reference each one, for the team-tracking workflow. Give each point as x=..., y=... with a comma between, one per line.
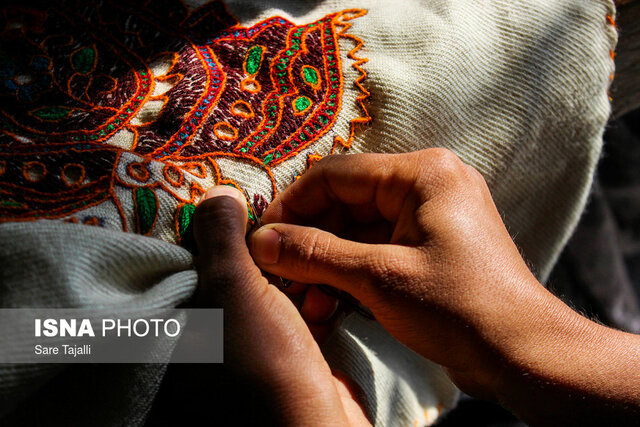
x=285, y=283
x=346, y=299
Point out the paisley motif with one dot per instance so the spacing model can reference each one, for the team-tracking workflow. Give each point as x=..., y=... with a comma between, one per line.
x=121, y=111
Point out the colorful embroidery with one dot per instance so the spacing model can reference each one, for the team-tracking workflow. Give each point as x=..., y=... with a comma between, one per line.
x=146, y=203
x=185, y=213
x=113, y=110
x=612, y=54
x=311, y=76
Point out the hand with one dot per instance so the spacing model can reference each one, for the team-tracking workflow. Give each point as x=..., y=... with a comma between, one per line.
x=443, y=259
x=267, y=344
x=417, y=238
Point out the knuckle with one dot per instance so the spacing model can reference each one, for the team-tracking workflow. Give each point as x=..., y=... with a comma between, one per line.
x=442, y=166
x=447, y=163
x=314, y=246
x=329, y=161
x=227, y=261
x=220, y=281
x=477, y=184
x=386, y=270
x=397, y=274
x=475, y=173
x=217, y=275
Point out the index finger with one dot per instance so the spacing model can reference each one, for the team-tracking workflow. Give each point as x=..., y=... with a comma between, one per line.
x=379, y=181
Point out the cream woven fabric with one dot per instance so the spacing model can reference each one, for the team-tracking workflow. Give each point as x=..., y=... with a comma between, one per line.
x=518, y=89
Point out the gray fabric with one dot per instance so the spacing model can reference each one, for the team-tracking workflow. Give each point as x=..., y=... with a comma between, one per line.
x=75, y=266
x=50, y=264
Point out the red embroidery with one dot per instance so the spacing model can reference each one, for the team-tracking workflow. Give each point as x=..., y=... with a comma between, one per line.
x=77, y=86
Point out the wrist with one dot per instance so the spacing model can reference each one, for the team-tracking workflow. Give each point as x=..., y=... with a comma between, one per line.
x=307, y=397
x=540, y=350
x=563, y=362
x=527, y=339
x=505, y=321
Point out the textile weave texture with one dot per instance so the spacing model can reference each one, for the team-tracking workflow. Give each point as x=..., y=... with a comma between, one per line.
x=116, y=116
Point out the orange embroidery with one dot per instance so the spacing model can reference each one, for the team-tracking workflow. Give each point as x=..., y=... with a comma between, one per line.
x=139, y=171
x=243, y=109
x=34, y=171
x=225, y=131
x=73, y=174
x=173, y=175
x=258, y=95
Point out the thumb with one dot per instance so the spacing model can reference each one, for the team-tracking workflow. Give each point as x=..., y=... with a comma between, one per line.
x=219, y=227
x=310, y=255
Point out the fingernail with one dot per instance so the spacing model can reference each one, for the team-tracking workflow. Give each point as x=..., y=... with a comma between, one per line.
x=223, y=190
x=266, y=245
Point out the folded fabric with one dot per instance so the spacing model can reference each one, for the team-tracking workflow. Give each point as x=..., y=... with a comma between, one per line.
x=50, y=264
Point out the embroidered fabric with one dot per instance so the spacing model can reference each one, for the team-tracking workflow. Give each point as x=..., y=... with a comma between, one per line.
x=116, y=114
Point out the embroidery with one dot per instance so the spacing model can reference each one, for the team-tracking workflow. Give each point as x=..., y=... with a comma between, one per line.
x=311, y=76
x=183, y=218
x=34, y=171
x=110, y=111
x=301, y=104
x=612, y=54
x=225, y=132
x=243, y=109
x=146, y=203
x=73, y=174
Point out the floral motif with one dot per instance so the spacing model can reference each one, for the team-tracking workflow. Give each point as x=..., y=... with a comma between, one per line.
x=26, y=79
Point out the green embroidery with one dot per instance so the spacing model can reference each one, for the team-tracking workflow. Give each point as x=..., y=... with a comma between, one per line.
x=184, y=217
x=254, y=59
x=83, y=60
x=310, y=75
x=52, y=113
x=252, y=217
x=146, y=208
x=301, y=103
x=12, y=204
x=107, y=102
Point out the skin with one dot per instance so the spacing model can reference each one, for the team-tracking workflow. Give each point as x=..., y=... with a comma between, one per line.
x=418, y=240
x=267, y=343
